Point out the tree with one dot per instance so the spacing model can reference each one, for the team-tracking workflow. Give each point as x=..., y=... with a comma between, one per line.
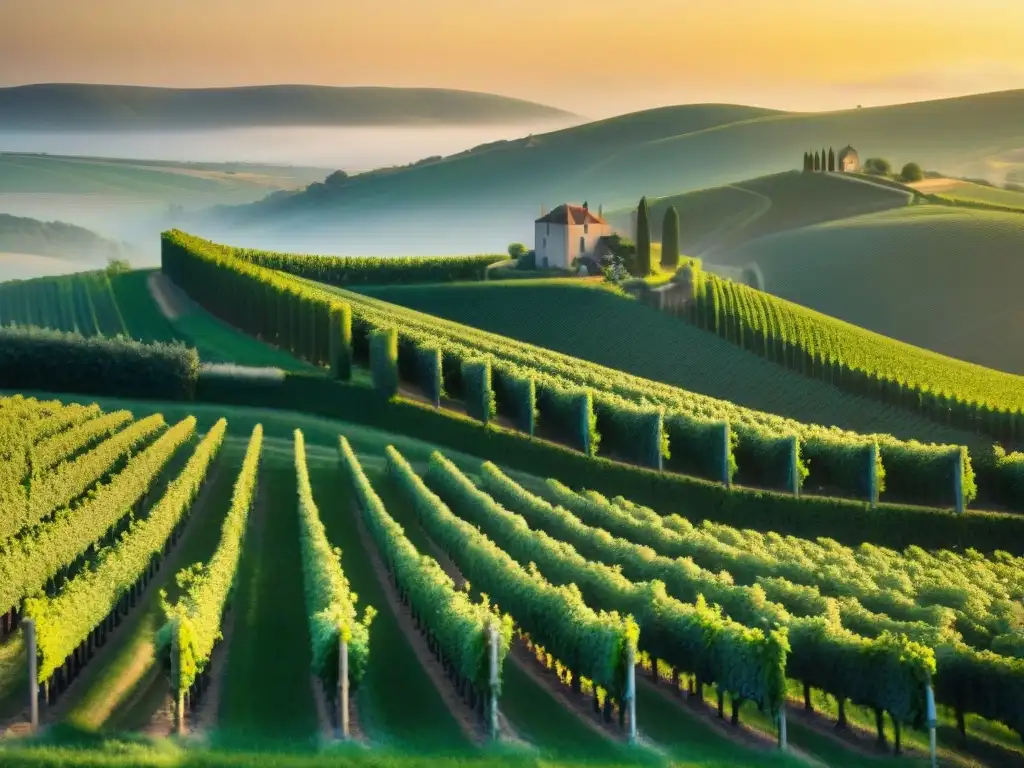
x=516, y=251
x=817, y=162
x=807, y=162
x=670, y=239
x=877, y=166
x=643, y=239
x=831, y=160
x=336, y=179
x=911, y=172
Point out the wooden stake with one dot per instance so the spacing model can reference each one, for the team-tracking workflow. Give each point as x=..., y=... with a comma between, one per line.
x=33, y=672
x=931, y=720
x=343, y=687
x=958, y=481
x=631, y=691
x=726, y=446
x=783, y=736
x=873, y=474
x=493, y=637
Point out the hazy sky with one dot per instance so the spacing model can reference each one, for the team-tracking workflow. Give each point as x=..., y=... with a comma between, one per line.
x=596, y=57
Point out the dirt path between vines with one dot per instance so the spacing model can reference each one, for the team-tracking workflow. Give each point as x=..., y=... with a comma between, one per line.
x=527, y=662
x=166, y=295
x=459, y=709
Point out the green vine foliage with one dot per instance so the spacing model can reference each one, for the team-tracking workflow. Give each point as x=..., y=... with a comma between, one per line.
x=695, y=638
x=477, y=390
x=50, y=548
x=384, y=361
x=340, y=340
x=870, y=624
x=429, y=372
x=197, y=615
x=460, y=627
x=234, y=288
x=591, y=644
x=63, y=622
x=330, y=603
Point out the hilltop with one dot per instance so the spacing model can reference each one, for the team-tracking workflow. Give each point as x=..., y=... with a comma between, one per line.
x=614, y=162
x=64, y=247
x=69, y=106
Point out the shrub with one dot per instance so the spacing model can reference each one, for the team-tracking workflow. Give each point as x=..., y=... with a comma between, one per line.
x=877, y=166
x=516, y=251
x=911, y=172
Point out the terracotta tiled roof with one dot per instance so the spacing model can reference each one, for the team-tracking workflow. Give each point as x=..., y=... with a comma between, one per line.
x=847, y=150
x=571, y=214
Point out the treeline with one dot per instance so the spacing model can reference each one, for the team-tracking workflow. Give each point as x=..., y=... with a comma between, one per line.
x=820, y=161
x=369, y=270
x=595, y=410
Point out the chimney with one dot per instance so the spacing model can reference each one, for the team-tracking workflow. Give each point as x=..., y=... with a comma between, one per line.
x=585, y=206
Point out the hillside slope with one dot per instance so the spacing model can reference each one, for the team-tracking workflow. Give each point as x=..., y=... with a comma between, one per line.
x=721, y=218
x=942, y=278
x=599, y=326
x=71, y=106
x=56, y=239
x=505, y=185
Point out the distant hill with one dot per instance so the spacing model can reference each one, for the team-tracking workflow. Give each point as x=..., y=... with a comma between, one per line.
x=55, y=238
x=613, y=162
x=86, y=106
x=941, y=277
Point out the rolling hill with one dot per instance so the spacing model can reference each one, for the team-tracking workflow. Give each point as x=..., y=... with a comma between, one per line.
x=71, y=106
x=721, y=218
x=944, y=278
x=616, y=161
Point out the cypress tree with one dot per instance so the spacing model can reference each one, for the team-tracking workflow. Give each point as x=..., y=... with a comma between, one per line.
x=808, y=163
x=643, y=239
x=831, y=159
x=817, y=162
x=670, y=239
x=824, y=160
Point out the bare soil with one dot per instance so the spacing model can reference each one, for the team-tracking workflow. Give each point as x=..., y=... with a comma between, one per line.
x=167, y=297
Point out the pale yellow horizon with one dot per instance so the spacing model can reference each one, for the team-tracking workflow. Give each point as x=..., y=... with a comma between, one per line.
x=595, y=58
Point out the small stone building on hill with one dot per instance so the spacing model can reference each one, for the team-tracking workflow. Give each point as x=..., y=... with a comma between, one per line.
x=566, y=233
x=848, y=159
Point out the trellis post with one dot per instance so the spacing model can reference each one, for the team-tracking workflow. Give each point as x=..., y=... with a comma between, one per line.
x=343, y=686
x=33, y=672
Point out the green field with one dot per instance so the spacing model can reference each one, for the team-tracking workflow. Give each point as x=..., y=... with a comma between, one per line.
x=720, y=219
x=933, y=276
x=93, y=303
x=969, y=192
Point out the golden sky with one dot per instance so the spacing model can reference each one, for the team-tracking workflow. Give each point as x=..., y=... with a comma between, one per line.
x=598, y=58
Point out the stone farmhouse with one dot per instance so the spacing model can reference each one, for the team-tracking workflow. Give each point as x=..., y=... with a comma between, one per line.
x=567, y=233
x=848, y=159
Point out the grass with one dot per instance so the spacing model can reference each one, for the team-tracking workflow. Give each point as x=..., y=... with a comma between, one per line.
x=937, y=277
x=651, y=344
x=97, y=302
x=128, y=688
x=721, y=218
x=125, y=753
x=267, y=698
x=966, y=191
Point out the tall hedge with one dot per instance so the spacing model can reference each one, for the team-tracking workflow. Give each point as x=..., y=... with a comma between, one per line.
x=702, y=447
x=340, y=353
x=358, y=270
x=33, y=358
x=428, y=373
x=633, y=433
x=478, y=393
x=517, y=399
x=670, y=239
x=384, y=361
